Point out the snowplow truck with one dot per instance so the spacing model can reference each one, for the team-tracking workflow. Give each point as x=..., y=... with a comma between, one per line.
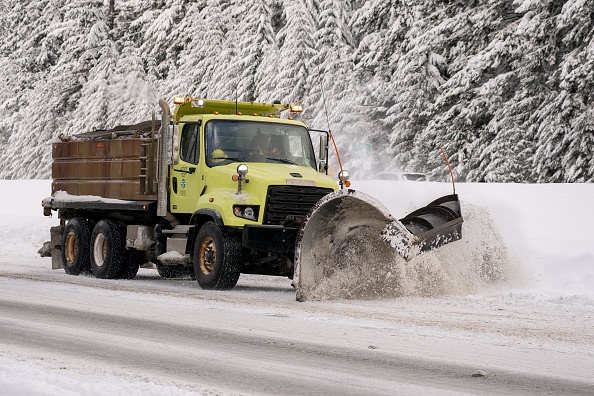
x=212, y=190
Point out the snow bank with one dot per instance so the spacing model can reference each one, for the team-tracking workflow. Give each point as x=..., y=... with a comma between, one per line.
x=27, y=379
x=23, y=197
x=545, y=228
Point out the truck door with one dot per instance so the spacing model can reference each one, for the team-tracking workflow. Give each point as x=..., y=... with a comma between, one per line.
x=186, y=178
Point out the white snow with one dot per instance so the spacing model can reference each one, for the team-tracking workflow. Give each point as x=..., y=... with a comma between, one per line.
x=173, y=257
x=546, y=228
x=34, y=378
x=547, y=225
x=65, y=197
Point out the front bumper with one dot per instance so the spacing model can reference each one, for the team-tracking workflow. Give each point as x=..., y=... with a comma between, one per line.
x=270, y=238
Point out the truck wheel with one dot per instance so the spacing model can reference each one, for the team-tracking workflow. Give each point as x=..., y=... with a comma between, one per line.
x=134, y=259
x=216, y=258
x=75, y=246
x=108, y=253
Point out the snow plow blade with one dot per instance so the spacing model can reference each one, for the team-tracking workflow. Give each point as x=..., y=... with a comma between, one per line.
x=349, y=235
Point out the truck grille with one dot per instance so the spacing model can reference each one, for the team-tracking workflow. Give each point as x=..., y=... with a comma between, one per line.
x=282, y=201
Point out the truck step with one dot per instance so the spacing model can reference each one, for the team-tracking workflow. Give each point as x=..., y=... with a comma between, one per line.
x=180, y=229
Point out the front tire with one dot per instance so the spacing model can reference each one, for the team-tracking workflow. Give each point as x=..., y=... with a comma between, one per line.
x=75, y=246
x=108, y=253
x=216, y=258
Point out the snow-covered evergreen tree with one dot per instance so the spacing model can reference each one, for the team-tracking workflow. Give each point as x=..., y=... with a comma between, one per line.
x=226, y=61
x=297, y=52
x=486, y=86
x=56, y=71
x=333, y=44
x=256, y=38
x=564, y=124
x=504, y=86
x=162, y=41
x=334, y=94
x=206, y=25
x=100, y=55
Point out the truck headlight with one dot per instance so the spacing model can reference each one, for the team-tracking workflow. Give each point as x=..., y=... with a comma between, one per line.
x=249, y=212
x=242, y=170
x=343, y=179
x=344, y=175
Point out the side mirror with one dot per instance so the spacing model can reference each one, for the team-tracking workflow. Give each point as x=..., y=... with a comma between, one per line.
x=322, y=160
x=322, y=166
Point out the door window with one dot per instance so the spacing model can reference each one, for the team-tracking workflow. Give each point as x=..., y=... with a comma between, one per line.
x=190, y=143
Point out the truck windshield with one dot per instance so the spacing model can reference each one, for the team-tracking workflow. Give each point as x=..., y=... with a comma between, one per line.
x=252, y=141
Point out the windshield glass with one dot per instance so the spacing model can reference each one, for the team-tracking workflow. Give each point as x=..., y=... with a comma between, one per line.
x=251, y=141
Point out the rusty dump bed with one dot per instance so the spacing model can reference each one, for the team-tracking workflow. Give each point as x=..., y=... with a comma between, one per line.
x=118, y=163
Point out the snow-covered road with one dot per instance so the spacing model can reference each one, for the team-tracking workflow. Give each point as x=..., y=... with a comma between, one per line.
x=66, y=335
x=257, y=339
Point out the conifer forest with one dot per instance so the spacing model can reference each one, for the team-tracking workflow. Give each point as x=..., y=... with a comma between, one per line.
x=506, y=87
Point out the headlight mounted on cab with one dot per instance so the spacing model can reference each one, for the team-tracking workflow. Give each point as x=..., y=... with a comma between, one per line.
x=249, y=212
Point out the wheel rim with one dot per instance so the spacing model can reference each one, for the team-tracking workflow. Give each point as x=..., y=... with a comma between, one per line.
x=99, y=250
x=208, y=256
x=71, y=248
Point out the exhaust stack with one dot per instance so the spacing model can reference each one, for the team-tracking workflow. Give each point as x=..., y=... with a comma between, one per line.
x=162, y=159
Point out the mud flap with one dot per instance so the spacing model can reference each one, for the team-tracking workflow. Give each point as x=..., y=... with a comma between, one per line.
x=349, y=235
x=56, y=246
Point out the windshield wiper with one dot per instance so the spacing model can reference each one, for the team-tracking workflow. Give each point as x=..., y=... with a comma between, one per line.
x=235, y=159
x=283, y=160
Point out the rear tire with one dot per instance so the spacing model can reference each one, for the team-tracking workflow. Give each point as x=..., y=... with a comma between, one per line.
x=134, y=259
x=76, y=246
x=108, y=253
x=217, y=258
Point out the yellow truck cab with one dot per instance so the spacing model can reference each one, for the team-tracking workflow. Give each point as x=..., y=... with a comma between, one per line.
x=220, y=189
x=210, y=145
x=243, y=176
